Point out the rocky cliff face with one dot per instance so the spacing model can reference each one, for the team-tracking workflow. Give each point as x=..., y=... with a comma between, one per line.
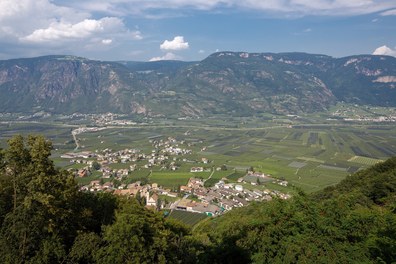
x=234, y=83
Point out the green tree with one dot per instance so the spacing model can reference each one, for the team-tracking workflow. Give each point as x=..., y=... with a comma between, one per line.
x=94, y=210
x=16, y=159
x=137, y=236
x=6, y=189
x=96, y=165
x=42, y=199
x=85, y=248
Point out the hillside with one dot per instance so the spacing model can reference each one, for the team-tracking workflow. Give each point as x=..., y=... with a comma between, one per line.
x=352, y=222
x=44, y=218
x=234, y=83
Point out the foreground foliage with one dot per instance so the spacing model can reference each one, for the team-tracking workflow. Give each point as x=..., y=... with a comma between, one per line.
x=45, y=219
x=353, y=222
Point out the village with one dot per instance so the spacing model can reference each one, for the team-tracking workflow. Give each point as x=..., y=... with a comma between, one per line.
x=354, y=113
x=167, y=155
x=193, y=197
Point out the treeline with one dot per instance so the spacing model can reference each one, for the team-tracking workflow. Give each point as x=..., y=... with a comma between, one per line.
x=45, y=219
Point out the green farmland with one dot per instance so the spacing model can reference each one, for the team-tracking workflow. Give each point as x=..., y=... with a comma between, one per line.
x=309, y=156
x=188, y=218
x=170, y=179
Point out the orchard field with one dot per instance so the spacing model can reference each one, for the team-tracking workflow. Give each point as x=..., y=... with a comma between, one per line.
x=309, y=155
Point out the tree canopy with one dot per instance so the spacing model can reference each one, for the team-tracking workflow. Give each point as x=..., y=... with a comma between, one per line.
x=44, y=218
x=353, y=222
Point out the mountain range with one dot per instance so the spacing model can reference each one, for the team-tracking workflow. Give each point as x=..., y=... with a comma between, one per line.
x=232, y=83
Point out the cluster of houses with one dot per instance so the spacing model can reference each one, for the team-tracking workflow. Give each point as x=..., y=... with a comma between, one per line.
x=195, y=197
x=197, y=169
x=107, y=172
x=170, y=146
x=354, y=115
x=149, y=192
x=111, y=119
x=104, y=158
x=222, y=197
x=108, y=156
x=372, y=119
x=257, y=178
x=163, y=149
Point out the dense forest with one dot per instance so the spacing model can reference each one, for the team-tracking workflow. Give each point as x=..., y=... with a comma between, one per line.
x=44, y=218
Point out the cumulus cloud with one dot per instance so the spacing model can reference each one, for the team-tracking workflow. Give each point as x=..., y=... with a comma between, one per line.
x=81, y=30
x=37, y=27
x=385, y=50
x=167, y=56
x=290, y=7
x=177, y=43
x=22, y=17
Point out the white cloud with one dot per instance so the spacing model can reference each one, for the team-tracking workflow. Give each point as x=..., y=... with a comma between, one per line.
x=290, y=7
x=36, y=27
x=167, y=56
x=86, y=28
x=201, y=51
x=321, y=7
x=127, y=7
x=384, y=50
x=22, y=17
x=391, y=12
x=327, y=7
x=137, y=35
x=39, y=27
x=176, y=44
x=107, y=41
x=11, y=9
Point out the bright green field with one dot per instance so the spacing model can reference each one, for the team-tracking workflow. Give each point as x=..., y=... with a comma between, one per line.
x=188, y=218
x=170, y=179
x=325, y=152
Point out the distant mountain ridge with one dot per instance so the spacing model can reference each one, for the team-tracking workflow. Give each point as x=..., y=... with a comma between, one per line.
x=235, y=83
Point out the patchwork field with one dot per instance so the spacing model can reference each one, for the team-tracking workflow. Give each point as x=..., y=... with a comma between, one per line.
x=364, y=160
x=308, y=156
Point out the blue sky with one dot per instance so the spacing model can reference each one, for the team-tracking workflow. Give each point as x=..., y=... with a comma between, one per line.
x=143, y=30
